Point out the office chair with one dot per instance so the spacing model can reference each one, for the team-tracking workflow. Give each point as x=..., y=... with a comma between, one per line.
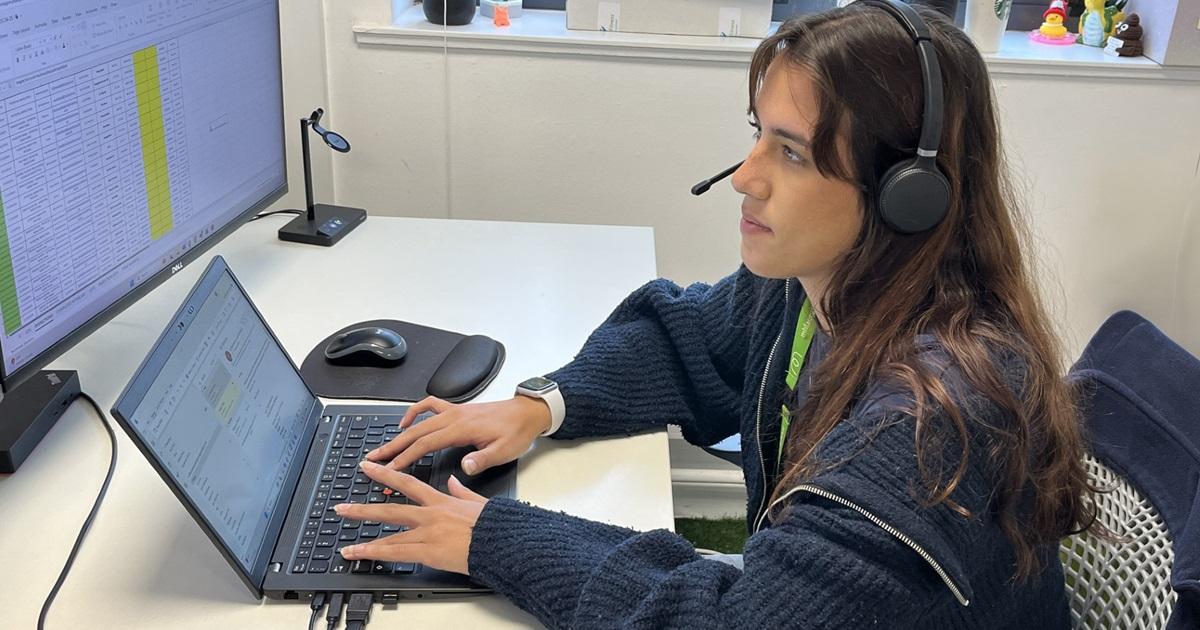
x=1120, y=585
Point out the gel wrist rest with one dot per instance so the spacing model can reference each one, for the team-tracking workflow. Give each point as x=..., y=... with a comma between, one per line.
x=469, y=367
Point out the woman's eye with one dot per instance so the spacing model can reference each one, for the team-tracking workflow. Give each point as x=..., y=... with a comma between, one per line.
x=792, y=156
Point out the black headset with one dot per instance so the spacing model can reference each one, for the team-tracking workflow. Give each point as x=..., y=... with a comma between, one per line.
x=914, y=195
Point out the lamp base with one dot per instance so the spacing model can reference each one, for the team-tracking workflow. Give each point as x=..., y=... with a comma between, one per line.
x=329, y=225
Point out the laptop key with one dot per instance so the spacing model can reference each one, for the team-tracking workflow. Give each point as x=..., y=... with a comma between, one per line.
x=389, y=528
x=380, y=566
x=329, y=529
x=350, y=524
x=303, y=554
x=331, y=517
x=405, y=567
x=372, y=441
x=299, y=566
x=328, y=476
x=359, y=422
x=356, y=435
x=341, y=484
x=354, y=443
x=338, y=495
x=361, y=566
x=371, y=523
x=307, y=542
x=318, y=566
x=377, y=497
x=325, y=541
x=321, y=554
x=375, y=431
x=369, y=531
x=339, y=565
x=348, y=535
x=345, y=474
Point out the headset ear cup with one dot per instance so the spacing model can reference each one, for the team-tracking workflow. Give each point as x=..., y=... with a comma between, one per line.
x=913, y=196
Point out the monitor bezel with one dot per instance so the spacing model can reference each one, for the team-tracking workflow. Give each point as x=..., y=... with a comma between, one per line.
x=10, y=381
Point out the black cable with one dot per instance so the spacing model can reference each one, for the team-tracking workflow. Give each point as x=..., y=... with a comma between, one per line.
x=87, y=524
x=267, y=214
x=318, y=602
x=358, y=611
x=335, y=610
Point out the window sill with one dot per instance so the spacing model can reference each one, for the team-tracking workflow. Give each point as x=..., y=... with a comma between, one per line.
x=545, y=32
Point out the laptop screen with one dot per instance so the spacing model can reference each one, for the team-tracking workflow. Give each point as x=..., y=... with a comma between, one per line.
x=225, y=413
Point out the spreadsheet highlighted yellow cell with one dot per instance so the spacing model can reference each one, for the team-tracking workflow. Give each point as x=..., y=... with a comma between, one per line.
x=154, y=141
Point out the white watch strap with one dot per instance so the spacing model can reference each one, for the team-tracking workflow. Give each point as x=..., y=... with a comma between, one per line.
x=558, y=410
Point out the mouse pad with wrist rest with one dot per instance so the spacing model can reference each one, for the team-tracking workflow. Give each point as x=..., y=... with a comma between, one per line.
x=449, y=365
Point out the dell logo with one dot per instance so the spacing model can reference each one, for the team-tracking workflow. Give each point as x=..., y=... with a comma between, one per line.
x=176, y=267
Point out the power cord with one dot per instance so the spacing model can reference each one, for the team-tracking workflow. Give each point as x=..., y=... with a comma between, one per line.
x=87, y=524
x=318, y=602
x=358, y=611
x=267, y=214
x=335, y=610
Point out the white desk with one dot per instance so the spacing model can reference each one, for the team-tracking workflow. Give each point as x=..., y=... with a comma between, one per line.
x=540, y=289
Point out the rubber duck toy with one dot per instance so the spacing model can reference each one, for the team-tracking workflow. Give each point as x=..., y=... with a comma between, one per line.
x=1053, y=31
x=1126, y=40
x=1094, y=23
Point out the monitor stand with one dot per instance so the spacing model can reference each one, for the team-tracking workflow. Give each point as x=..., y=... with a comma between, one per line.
x=28, y=411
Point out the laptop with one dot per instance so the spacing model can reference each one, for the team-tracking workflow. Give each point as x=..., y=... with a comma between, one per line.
x=221, y=412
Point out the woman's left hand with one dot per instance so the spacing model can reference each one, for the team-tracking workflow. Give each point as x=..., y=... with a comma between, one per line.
x=439, y=525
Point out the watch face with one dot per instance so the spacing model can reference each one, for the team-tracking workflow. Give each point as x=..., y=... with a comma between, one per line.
x=537, y=383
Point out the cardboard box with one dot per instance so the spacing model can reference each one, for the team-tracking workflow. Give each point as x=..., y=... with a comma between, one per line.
x=722, y=18
x=1171, y=30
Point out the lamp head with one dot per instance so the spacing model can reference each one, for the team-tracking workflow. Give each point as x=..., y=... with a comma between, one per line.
x=335, y=140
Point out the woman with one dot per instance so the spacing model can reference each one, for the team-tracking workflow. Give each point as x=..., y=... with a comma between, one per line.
x=932, y=456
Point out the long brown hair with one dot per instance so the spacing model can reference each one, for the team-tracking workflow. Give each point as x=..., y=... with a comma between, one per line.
x=966, y=282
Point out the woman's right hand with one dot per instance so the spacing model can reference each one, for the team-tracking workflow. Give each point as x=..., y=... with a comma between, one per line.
x=501, y=431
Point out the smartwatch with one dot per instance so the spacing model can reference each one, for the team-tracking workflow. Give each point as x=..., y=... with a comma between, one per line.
x=546, y=390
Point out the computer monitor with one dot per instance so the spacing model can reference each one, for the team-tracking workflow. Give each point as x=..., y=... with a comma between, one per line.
x=134, y=134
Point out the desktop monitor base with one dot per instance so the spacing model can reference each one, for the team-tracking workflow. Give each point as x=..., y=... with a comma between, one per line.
x=330, y=224
x=28, y=412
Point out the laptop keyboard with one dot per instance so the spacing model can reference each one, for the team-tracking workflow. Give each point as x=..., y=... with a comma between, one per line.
x=325, y=533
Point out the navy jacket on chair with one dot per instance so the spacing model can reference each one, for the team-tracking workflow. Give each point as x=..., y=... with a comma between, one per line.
x=1143, y=413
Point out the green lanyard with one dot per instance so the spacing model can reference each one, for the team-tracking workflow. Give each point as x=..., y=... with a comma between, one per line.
x=804, y=335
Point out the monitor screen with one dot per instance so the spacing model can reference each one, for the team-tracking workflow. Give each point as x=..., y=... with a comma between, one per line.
x=133, y=135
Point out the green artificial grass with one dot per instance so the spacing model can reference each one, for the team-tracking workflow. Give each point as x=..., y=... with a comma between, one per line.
x=723, y=535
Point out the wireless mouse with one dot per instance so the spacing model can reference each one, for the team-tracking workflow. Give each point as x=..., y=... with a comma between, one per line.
x=371, y=346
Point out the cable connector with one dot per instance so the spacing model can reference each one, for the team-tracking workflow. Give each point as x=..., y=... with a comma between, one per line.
x=317, y=603
x=335, y=610
x=358, y=611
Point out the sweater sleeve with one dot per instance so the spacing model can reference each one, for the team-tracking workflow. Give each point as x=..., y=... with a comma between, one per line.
x=823, y=566
x=666, y=355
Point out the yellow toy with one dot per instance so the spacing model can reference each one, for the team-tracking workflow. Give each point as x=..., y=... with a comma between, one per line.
x=1053, y=25
x=1052, y=30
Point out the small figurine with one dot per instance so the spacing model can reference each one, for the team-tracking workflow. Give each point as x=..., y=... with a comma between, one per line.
x=1093, y=24
x=1052, y=30
x=1126, y=40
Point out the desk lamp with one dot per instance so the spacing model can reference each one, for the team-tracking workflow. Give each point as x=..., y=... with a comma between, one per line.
x=322, y=224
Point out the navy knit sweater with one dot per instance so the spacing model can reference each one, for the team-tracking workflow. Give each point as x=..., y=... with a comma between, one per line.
x=850, y=548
